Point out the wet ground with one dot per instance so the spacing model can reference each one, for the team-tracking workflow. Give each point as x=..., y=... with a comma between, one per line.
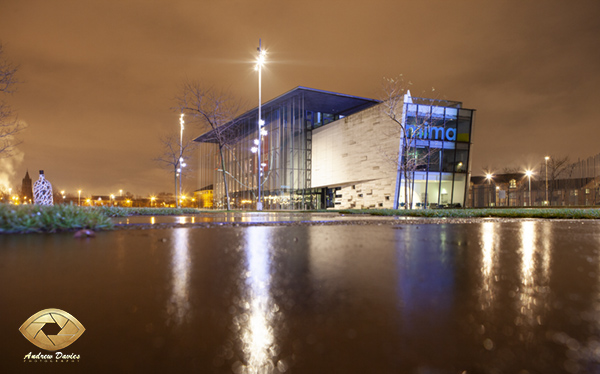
x=312, y=294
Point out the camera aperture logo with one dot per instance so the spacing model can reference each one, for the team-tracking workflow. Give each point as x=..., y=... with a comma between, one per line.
x=52, y=330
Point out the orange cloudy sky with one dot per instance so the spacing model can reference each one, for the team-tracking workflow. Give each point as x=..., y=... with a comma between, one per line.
x=98, y=78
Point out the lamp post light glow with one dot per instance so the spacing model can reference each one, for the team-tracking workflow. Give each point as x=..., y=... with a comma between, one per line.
x=489, y=176
x=547, y=201
x=528, y=173
x=79, y=199
x=259, y=63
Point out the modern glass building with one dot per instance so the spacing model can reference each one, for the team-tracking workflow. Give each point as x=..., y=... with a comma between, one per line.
x=324, y=149
x=435, y=152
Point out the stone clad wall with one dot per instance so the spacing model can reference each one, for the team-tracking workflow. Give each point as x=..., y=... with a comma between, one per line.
x=359, y=154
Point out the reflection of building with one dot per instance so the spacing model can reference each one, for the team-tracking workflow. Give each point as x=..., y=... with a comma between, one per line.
x=324, y=149
x=27, y=189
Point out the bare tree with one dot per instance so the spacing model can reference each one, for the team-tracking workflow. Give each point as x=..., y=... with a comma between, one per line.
x=558, y=168
x=511, y=170
x=413, y=157
x=214, y=111
x=10, y=126
x=174, y=156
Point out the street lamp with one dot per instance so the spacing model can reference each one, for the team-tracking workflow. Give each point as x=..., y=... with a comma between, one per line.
x=528, y=174
x=489, y=176
x=547, y=201
x=79, y=200
x=259, y=63
x=180, y=161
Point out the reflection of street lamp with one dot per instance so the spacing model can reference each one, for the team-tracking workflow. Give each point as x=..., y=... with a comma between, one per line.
x=259, y=63
x=547, y=201
x=528, y=174
x=79, y=200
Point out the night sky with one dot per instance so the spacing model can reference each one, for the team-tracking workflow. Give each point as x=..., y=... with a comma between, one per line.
x=99, y=78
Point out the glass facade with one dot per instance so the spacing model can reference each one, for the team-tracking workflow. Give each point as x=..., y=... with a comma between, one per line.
x=436, y=155
x=285, y=154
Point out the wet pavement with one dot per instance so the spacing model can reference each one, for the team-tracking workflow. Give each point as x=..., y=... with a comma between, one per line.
x=322, y=295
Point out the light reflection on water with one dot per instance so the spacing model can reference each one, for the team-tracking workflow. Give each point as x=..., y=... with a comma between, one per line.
x=489, y=262
x=256, y=323
x=532, y=298
x=425, y=279
x=178, y=307
x=426, y=283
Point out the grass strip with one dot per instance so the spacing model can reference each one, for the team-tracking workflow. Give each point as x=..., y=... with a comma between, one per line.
x=36, y=218
x=115, y=211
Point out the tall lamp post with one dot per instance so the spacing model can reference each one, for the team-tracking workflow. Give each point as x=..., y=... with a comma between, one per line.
x=181, y=163
x=547, y=201
x=528, y=174
x=259, y=63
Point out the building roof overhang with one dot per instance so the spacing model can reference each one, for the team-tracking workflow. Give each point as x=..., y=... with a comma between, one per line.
x=314, y=100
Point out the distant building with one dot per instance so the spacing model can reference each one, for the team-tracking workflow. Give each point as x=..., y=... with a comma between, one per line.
x=27, y=189
x=324, y=149
x=204, y=197
x=577, y=185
